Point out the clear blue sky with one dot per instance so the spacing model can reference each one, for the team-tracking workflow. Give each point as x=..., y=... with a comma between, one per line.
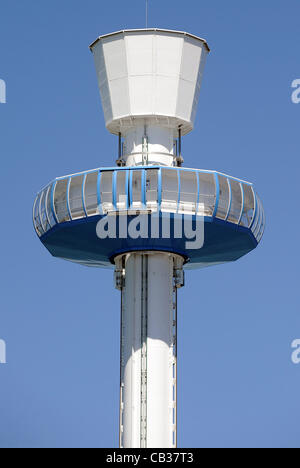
x=237, y=384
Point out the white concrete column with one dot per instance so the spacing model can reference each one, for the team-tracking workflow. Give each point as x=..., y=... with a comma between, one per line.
x=148, y=354
x=131, y=353
x=160, y=403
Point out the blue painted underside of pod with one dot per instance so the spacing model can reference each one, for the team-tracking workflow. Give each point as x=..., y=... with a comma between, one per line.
x=78, y=241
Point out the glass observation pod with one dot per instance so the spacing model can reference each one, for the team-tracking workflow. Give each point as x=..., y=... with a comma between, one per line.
x=172, y=190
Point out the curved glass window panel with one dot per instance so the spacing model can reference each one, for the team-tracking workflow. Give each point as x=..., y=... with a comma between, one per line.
x=49, y=208
x=75, y=197
x=259, y=218
x=36, y=216
x=248, y=209
x=137, y=201
x=224, y=193
x=90, y=194
x=262, y=226
x=106, y=191
x=236, y=202
x=60, y=201
x=257, y=215
x=122, y=200
x=44, y=214
x=43, y=210
x=207, y=194
x=256, y=231
x=170, y=190
x=188, y=192
x=151, y=188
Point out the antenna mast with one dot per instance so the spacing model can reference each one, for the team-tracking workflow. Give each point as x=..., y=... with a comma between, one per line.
x=146, y=14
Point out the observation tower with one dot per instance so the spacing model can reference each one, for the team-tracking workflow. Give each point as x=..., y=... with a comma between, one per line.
x=149, y=217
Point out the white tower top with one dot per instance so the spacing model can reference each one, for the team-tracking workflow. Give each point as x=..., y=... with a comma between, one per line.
x=149, y=82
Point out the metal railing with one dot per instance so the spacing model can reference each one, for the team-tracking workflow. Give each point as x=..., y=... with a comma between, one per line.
x=177, y=190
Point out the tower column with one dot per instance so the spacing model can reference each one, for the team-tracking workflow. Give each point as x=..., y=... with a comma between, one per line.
x=149, y=144
x=149, y=283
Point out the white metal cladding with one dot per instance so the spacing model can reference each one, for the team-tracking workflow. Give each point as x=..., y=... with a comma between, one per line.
x=149, y=73
x=172, y=190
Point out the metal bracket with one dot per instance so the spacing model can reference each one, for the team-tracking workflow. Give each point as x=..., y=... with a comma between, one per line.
x=119, y=277
x=145, y=150
x=179, y=278
x=120, y=162
x=179, y=161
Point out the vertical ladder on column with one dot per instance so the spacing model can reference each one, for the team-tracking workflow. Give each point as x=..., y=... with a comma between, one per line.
x=178, y=282
x=174, y=364
x=144, y=333
x=120, y=284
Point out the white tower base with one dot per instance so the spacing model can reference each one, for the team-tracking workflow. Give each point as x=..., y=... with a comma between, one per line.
x=149, y=283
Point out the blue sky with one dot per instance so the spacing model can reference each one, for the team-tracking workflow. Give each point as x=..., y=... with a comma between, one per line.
x=237, y=384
